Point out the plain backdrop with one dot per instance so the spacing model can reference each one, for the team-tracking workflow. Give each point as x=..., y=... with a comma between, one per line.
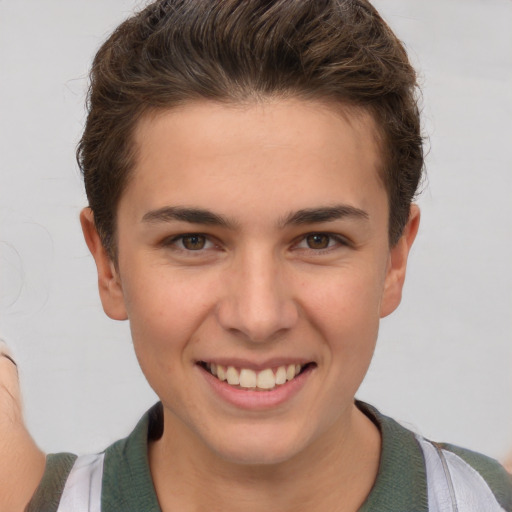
x=444, y=359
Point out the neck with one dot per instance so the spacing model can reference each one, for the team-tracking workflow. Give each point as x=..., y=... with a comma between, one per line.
x=335, y=473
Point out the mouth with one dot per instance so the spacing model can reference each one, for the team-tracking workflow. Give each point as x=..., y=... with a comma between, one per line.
x=247, y=379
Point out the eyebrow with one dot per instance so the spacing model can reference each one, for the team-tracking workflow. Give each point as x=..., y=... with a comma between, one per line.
x=297, y=218
x=324, y=214
x=191, y=215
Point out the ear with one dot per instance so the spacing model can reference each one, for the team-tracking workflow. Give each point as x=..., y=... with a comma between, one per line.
x=398, y=254
x=109, y=283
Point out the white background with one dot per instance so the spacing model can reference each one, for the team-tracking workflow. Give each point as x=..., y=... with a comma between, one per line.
x=444, y=359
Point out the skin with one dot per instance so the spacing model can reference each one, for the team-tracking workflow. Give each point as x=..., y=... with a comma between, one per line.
x=508, y=463
x=255, y=287
x=23, y=462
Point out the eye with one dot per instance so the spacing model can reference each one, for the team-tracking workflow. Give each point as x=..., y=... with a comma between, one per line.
x=191, y=242
x=318, y=241
x=321, y=241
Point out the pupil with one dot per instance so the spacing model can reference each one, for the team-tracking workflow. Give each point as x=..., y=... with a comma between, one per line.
x=318, y=241
x=194, y=242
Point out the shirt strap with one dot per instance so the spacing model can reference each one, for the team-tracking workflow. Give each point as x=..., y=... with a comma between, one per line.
x=453, y=485
x=82, y=492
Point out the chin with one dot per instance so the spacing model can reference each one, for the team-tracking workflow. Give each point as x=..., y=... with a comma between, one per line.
x=254, y=456
x=257, y=449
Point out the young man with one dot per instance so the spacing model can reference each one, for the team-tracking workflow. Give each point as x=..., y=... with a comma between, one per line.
x=250, y=168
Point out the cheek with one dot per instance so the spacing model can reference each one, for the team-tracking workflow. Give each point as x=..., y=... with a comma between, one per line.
x=347, y=296
x=165, y=315
x=345, y=310
x=165, y=311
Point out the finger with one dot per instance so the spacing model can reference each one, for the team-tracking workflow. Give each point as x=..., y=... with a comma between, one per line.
x=5, y=351
x=10, y=396
x=7, y=356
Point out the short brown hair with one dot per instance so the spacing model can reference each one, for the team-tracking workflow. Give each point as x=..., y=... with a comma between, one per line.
x=176, y=51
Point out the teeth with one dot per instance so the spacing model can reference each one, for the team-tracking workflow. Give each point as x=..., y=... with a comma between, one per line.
x=232, y=376
x=266, y=379
x=249, y=379
x=281, y=375
x=221, y=372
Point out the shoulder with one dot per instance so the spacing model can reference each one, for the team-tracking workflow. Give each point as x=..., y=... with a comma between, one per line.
x=434, y=477
x=469, y=470
x=48, y=494
x=117, y=479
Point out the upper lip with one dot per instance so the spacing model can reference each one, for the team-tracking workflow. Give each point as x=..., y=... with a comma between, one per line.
x=255, y=365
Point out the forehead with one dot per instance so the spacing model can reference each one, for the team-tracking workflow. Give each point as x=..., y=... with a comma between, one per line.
x=264, y=158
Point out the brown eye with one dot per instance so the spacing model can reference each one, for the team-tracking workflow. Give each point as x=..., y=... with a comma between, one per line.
x=318, y=241
x=193, y=242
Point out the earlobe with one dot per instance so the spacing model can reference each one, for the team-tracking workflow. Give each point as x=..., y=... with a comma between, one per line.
x=109, y=284
x=395, y=275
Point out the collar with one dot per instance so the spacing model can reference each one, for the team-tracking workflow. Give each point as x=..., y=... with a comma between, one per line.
x=400, y=485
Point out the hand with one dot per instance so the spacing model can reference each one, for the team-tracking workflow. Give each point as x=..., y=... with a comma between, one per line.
x=22, y=462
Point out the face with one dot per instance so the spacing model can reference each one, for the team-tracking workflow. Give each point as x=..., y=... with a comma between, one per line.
x=253, y=247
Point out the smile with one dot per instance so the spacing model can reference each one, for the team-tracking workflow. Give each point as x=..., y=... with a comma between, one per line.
x=245, y=378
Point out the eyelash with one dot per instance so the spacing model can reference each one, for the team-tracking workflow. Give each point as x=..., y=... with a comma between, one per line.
x=174, y=241
x=334, y=241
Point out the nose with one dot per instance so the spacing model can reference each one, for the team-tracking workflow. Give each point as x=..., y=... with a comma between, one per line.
x=257, y=302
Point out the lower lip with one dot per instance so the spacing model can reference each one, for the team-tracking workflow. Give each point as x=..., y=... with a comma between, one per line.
x=257, y=400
